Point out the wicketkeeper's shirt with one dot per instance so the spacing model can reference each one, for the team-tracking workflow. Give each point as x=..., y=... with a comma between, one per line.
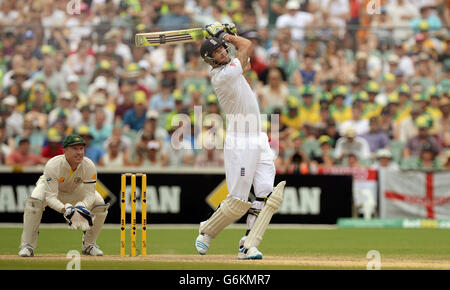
x=61, y=179
x=236, y=98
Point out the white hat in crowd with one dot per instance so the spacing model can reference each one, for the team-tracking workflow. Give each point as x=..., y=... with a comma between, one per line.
x=384, y=153
x=152, y=114
x=293, y=5
x=98, y=99
x=153, y=144
x=349, y=131
x=10, y=101
x=100, y=83
x=73, y=78
x=66, y=95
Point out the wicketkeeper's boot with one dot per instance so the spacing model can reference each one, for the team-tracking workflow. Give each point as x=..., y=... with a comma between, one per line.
x=26, y=251
x=92, y=250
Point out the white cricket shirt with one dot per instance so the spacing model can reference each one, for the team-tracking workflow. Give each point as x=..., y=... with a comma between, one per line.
x=61, y=179
x=236, y=98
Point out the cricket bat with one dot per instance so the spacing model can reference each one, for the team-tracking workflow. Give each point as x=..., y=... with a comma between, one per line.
x=169, y=37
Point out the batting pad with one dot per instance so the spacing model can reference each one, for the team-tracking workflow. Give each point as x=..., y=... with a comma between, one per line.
x=255, y=236
x=230, y=210
x=32, y=215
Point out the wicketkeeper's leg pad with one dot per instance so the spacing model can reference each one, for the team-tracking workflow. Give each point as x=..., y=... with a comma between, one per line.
x=262, y=221
x=32, y=215
x=229, y=211
x=99, y=214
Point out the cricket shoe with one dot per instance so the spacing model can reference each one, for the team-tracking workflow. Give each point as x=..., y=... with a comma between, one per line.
x=92, y=250
x=202, y=243
x=249, y=254
x=26, y=251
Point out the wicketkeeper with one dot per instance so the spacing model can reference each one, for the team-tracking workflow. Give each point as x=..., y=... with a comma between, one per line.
x=247, y=155
x=67, y=186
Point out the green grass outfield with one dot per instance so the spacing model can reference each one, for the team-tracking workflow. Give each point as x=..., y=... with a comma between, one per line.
x=283, y=248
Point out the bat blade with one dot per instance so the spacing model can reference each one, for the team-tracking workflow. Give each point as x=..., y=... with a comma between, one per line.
x=169, y=37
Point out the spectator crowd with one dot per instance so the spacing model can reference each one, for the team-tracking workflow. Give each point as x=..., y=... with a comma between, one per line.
x=352, y=83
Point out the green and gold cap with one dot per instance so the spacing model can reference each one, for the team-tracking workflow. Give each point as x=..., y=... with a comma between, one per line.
x=140, y=97
x=297, y=134
x=324, y=139
x=340, y=91
x=325, y=97
x=433, y=92
x=169, y=66
x=424, y=26
x=196, y=87
x=84, y=131
x=132, y=70
x=177, y=95
x=372, y=87
x=47, y=49
x=307, y=90
x=361, y=96
x=292, y=102
x=141, y=27
x=389, y=77
x=104, y=64
x=212, y=98
x=404, y=89
x=53, y=135
x=72, y=140
x=422, y=122
x=417, y=97
x=393, y=98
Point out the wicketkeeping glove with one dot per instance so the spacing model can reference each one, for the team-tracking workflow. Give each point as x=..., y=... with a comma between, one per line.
x=84, y=212
x=69, y=210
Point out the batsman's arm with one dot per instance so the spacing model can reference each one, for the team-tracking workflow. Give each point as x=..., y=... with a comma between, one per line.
x=244, y=48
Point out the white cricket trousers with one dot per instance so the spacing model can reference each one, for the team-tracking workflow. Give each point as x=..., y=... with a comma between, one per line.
x=248, y=161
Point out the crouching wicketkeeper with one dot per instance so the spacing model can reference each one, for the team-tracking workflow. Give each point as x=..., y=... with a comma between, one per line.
x=67, y=186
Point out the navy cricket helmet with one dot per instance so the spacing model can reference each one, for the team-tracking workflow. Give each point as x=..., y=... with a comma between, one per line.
x=209, y=45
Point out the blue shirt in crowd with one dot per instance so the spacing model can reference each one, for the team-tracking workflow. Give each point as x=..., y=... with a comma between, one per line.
x=131, y=119
x=94, y=153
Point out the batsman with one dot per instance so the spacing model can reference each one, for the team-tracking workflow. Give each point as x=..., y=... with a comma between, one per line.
x=247, y=155
x=67, y=186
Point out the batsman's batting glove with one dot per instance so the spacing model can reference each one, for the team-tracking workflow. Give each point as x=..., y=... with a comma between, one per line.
x=215, y=29
x=84, y=212
x=69, y=210
x=230, y=28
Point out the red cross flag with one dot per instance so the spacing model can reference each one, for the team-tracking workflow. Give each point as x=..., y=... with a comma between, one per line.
x=415, y=195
